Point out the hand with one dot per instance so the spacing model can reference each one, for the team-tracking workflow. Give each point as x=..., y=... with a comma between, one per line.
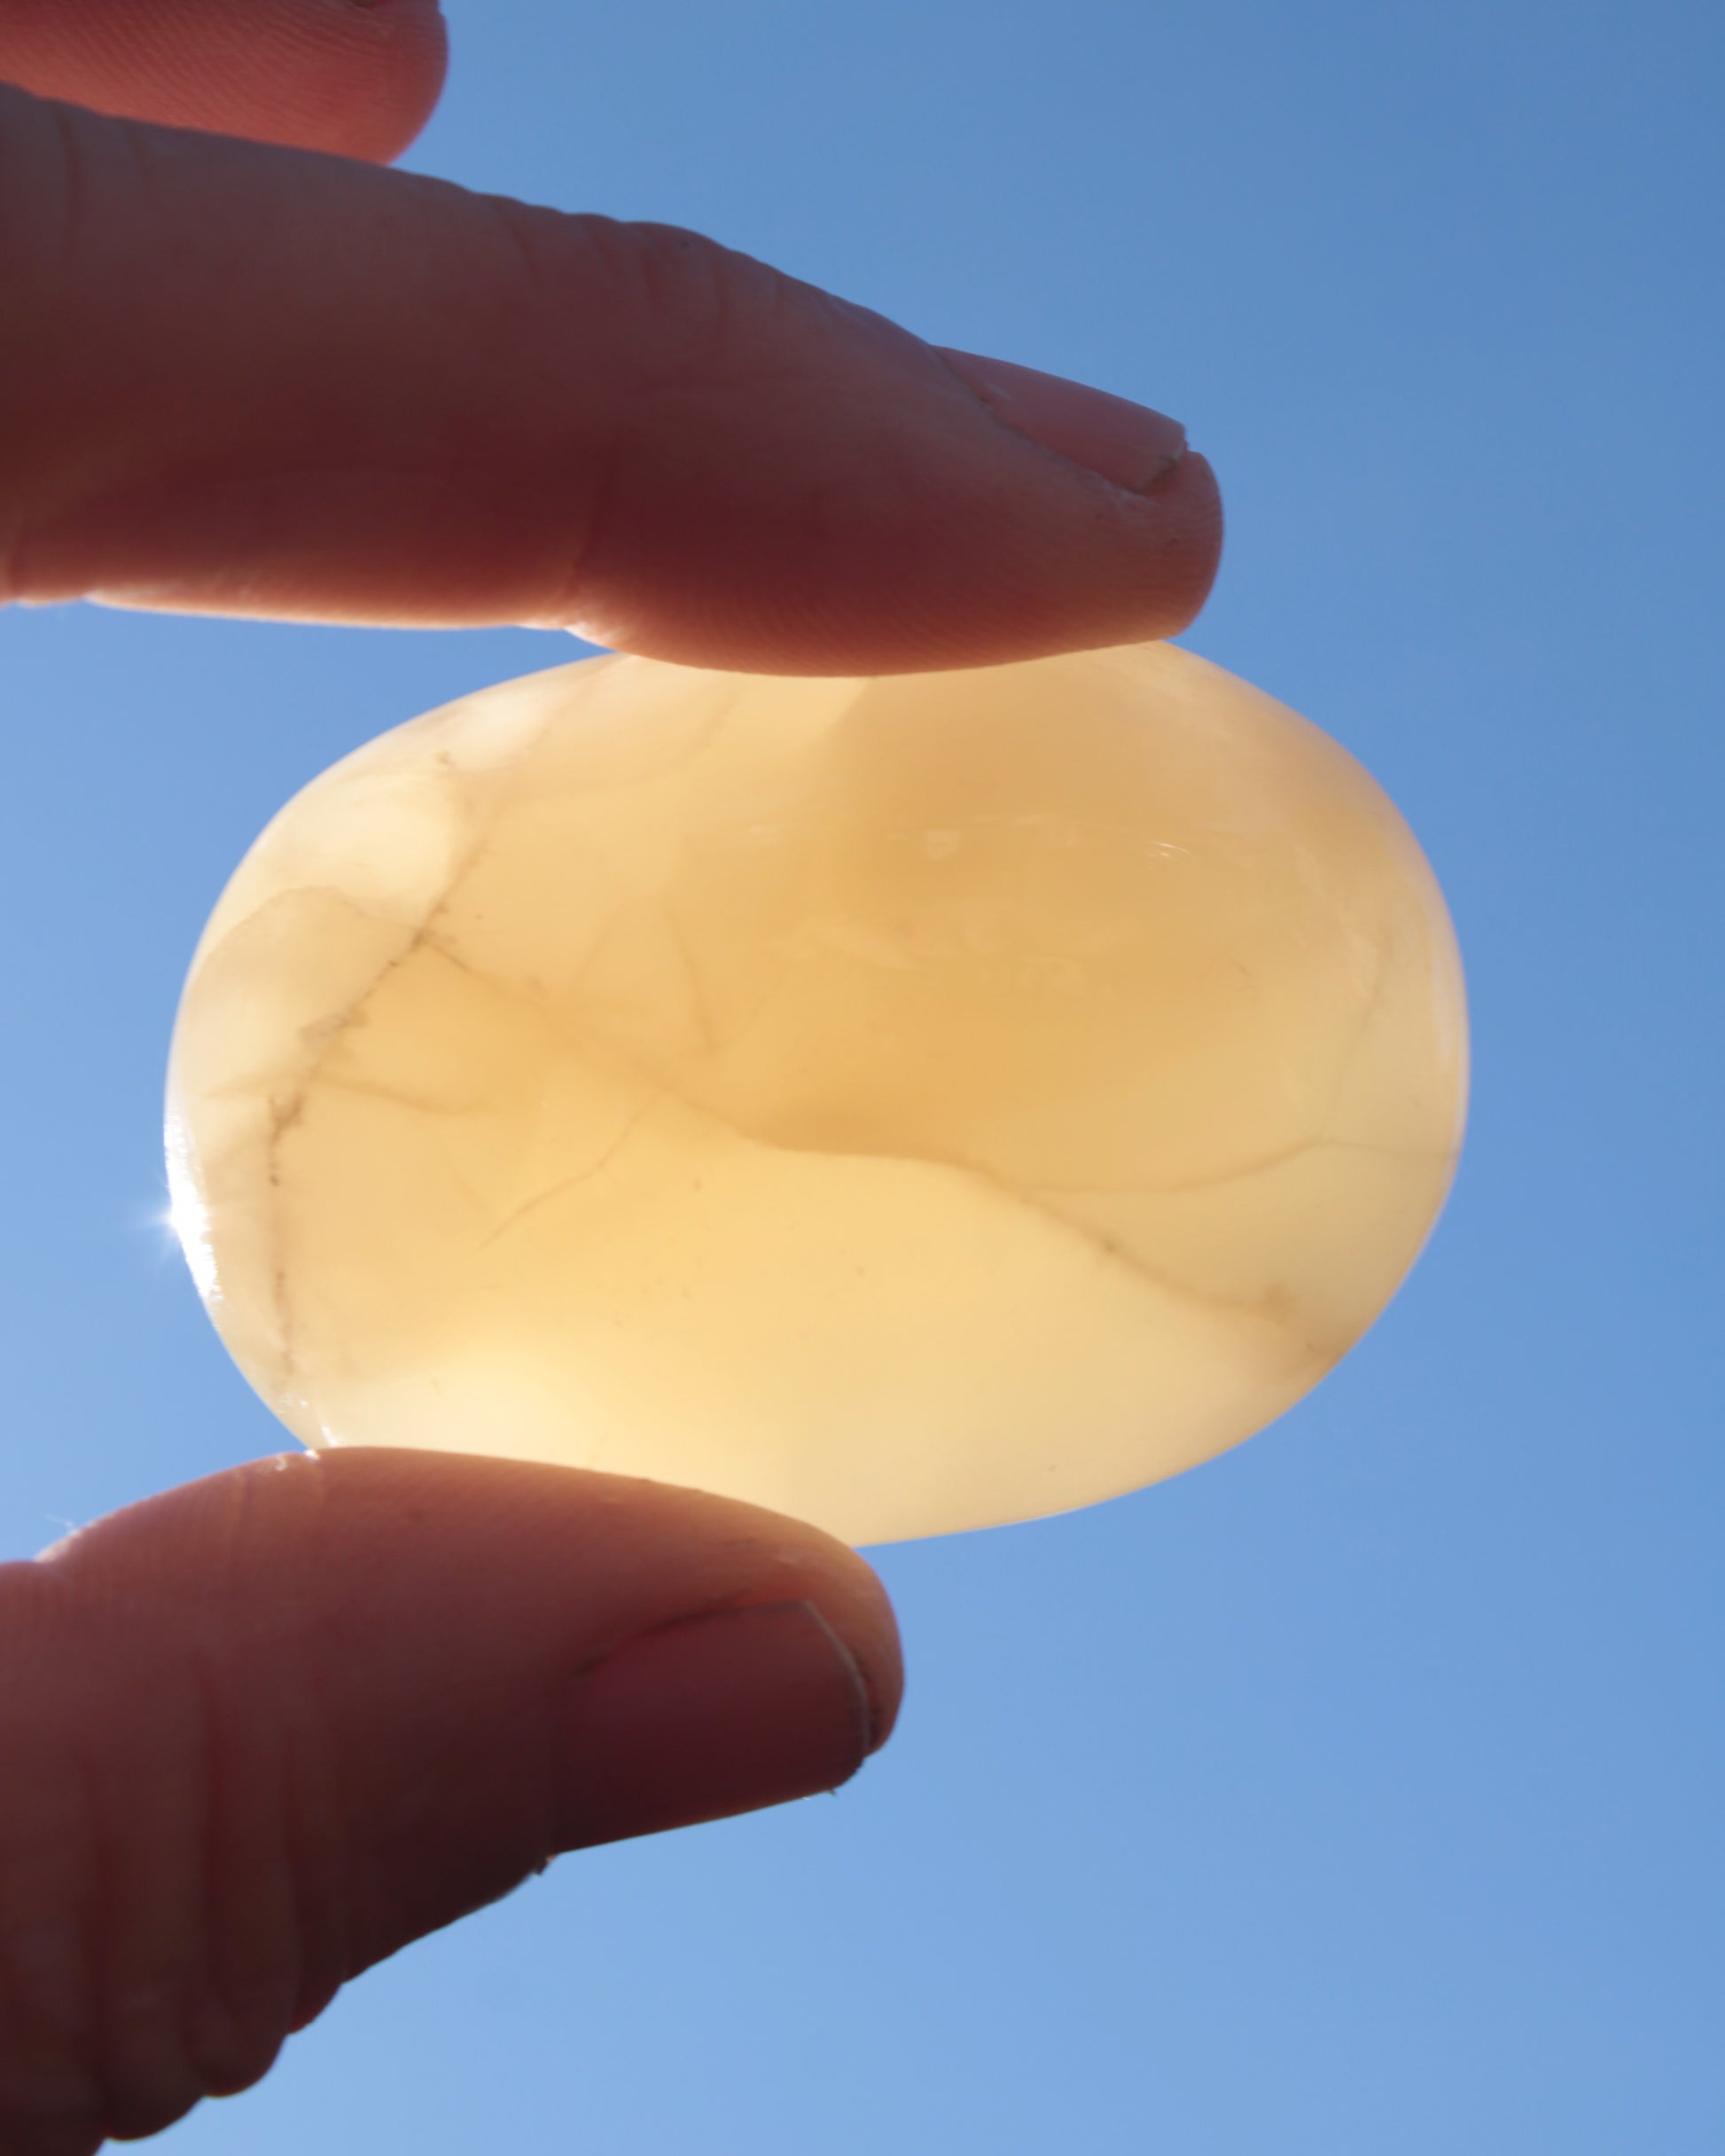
x=262, y=1731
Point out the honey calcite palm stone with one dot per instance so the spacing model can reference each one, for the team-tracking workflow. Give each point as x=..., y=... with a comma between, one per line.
x=909, y=1103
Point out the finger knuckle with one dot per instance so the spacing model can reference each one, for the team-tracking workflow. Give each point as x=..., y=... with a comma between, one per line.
x=657, y=296
x=149, y=1947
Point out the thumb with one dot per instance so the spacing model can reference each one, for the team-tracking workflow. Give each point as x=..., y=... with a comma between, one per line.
x=262, y=1731
x=238, y=378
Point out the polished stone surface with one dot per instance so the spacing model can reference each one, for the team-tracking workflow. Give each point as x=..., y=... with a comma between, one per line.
x=908, y=1104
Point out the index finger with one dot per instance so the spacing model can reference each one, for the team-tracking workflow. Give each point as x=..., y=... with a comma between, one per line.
x=237, y=378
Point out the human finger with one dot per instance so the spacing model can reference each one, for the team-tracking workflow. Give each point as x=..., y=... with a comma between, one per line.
x=262, y=1731
x=248, y=379
x=357, y=77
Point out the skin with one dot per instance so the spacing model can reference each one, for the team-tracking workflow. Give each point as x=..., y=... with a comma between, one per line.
x=260, y=1732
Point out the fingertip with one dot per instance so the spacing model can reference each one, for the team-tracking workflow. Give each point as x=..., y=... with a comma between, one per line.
x=354, y=78
x=407, y=64
x=394, y=1526
x=656, y=1554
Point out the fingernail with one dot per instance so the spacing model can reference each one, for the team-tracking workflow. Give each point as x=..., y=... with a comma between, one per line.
x=711, y=1716
x=1127, y=444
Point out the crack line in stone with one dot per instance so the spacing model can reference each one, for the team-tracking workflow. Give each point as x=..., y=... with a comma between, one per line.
x=570, y=1183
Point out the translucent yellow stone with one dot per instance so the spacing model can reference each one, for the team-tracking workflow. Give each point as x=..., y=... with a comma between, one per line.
x=909, y=1103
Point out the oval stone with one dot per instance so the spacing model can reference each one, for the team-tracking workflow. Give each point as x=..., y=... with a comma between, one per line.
x=911, y=1103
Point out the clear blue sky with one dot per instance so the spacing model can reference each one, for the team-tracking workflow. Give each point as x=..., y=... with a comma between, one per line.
x=1359, y=1794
